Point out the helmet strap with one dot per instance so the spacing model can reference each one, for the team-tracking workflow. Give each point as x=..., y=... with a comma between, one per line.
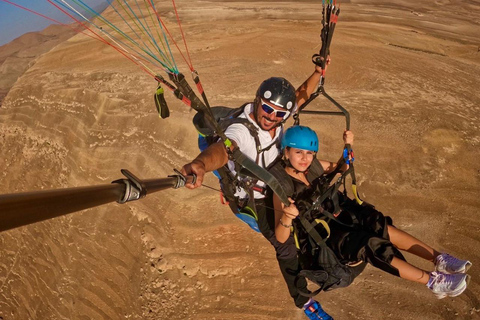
x=256, y=102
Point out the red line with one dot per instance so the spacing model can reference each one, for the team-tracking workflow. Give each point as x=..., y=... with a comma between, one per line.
x=199, y=87
x=166, y=29
x=183, y=35
x=187, y=101
x=100, y=38
x=48, y=18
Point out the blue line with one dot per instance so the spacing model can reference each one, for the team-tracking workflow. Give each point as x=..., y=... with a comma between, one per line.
x=142, y=25
x=162, y=64
x=164, y=35
x=146, y=47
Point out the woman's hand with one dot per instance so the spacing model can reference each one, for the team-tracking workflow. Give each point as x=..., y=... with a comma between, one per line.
x=290, y=212
x=283, y=218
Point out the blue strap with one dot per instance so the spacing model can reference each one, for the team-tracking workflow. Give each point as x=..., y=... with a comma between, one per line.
x=346, y=154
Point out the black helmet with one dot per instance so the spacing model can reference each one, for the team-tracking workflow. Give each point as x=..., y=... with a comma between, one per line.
x=278, y=91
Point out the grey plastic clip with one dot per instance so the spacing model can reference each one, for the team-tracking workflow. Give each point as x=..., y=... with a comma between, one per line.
x=181, y=179
x=134, y=187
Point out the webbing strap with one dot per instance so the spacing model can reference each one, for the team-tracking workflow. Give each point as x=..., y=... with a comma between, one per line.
x=261, y=174
x=310, y=228
x=330, y=192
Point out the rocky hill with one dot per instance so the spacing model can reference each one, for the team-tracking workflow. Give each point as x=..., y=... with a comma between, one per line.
x=18, y=55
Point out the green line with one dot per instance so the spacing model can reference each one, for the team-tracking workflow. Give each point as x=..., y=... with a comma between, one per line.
x=166, y=60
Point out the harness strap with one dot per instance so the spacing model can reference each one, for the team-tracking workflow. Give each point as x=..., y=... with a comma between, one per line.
x=261, y=174
x=310, y=228
x=332, y=193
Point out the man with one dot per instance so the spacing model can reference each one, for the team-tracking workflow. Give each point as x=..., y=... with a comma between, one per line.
x=276, y=100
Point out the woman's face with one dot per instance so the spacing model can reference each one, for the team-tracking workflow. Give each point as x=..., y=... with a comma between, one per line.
x=299, y=159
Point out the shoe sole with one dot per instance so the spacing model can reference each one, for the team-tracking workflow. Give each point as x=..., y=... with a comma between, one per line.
x=457, y=292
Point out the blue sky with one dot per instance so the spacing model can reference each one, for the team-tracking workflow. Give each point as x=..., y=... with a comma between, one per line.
x=15, y=21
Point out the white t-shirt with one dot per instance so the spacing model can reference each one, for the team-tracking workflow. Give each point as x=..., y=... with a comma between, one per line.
x=246, y=142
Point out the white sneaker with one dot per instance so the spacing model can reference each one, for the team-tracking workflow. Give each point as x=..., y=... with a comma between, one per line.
x=444, y=284
x=446, y=263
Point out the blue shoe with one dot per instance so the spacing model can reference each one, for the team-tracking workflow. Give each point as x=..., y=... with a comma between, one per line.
x=314, y=311
x=446, y=263
x=447, y=285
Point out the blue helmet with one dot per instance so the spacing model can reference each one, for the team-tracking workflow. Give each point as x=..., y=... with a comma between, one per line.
x=300, y=137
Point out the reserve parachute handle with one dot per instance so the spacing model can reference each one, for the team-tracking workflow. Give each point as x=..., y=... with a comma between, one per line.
x=21, y=209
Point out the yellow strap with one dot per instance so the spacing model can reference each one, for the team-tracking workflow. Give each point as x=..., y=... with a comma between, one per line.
x=296, y=239
x=354, y=187
x=159, y=90
x=249, y=211
x=325, y=225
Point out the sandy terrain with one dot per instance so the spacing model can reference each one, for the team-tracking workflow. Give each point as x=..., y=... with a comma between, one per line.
x=407, y=72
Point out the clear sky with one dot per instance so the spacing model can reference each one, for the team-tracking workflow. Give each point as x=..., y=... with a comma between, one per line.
x=15, y=21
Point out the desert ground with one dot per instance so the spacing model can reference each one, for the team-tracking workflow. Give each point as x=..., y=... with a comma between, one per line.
x=74, y=115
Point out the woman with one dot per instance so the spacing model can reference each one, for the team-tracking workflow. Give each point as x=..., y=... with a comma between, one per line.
x=373, y=239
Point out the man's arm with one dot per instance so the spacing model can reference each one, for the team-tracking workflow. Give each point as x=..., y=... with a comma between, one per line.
x=212, y=158
x=309, y=86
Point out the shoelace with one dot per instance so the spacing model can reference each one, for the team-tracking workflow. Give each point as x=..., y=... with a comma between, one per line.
x=444, y=279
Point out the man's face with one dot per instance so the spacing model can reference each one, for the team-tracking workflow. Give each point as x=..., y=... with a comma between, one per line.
x=267, y=116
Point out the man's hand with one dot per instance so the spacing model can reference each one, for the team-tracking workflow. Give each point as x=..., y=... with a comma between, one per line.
x=348, y=137
x=319, y=69
x=196, y=167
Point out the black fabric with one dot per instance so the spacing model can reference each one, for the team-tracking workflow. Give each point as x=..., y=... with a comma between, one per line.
x=224, y=116
x=325, y=270
x=286, y=253
x=369, y=242
x=290, y=268
x=358, y=233
x=319, y=262
x=277, y=169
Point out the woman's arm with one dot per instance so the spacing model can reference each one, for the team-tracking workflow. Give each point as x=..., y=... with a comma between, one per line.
x=331, y=166
x=283, y=218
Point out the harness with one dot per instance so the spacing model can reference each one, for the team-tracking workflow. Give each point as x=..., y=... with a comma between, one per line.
x=243, y=179
x=318, y=205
